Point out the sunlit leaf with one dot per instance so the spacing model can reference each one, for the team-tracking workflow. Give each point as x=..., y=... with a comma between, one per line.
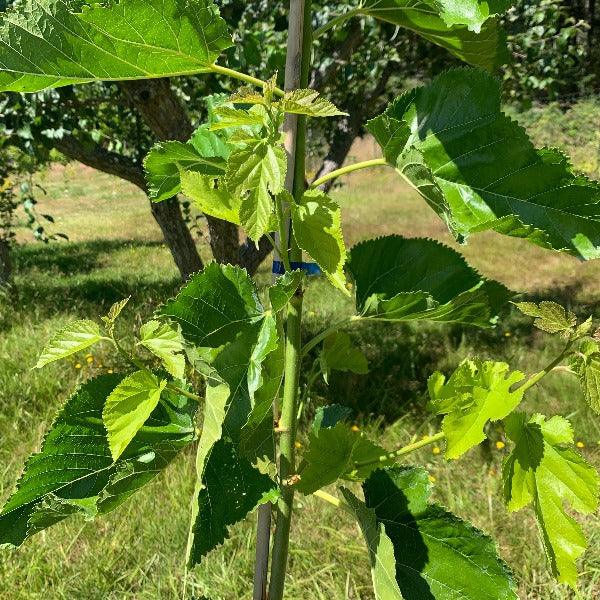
x=128, y=407
x=542, y=469
x=72, y=338
x=46, y=44
x=166, y=342
x=211, y=200
x=317, y=225
x=476, y=393
x=550, y=317
x=478, y=170
x=435, y=554
x=309, y=103
x=282, y=291
x=165, y=162
x=252, y=172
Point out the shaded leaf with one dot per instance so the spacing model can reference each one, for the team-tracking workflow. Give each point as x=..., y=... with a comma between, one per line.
x=165, y=342
x=45, y=44
x=435, y=554
x=232, y=488
x=402, y=279
x=478, y=170
x=72, y=338
x=165, y=162
x=74, y=470
x=542, y=469
x=329, y=416
x=477, y=392
x=317, y=225
x=462, y=28
x=215, y=305
x=339, y=354
x=282, y=291
x=128, y=407
x=333, y=453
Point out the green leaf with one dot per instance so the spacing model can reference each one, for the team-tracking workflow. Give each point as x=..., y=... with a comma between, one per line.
x=232, y=488
x=128, y=407
x=70, y=339
x=477, y=392
x=308, y=102
x=339, y=354
x=167, y=160
x=435, y=554
x=113, y=314
x=542, y=469
x=213, y=201
x=226, y=451
x=400, y=279
x=333, y=453
x=317, y=225
x=75, y=472
x=586, y=364
x=282, y=291
x=463, y=28
x=215, y=305
x=45, y=44
x=479, y=171
x=166, y=342
x=253, y=172
x=550, y=317
x=329, y=416
x=226, y=116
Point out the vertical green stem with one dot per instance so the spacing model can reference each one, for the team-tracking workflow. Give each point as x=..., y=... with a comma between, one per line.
x=297, y=70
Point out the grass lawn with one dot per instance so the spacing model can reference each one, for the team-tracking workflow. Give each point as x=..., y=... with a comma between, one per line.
x=136, y=552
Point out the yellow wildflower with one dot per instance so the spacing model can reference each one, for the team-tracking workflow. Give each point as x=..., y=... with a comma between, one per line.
x=436, y=450
x=580, y=444
x=298, y=445
x=77, y=366
x=89, y=359
x=355, y=428
x=432, y=478
x=110, y=371
x=500, y=444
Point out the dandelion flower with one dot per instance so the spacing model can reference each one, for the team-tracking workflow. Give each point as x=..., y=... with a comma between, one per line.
x=77, y=365
x=500, y=444
x=436, y=450
x=580, y=444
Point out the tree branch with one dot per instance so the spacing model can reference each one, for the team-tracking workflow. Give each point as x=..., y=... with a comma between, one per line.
x=94, y=155
x=326, y=72
x=348, y=128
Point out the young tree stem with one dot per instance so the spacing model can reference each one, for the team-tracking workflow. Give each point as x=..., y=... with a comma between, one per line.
x=296, y=76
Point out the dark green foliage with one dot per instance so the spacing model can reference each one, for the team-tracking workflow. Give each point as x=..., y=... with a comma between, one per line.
x=74, y=470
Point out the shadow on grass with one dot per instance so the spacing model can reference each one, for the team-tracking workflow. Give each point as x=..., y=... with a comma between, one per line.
x=54, y=278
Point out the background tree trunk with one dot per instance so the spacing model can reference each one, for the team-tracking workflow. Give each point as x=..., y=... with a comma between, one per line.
x=5, y=263
x=167, y=118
